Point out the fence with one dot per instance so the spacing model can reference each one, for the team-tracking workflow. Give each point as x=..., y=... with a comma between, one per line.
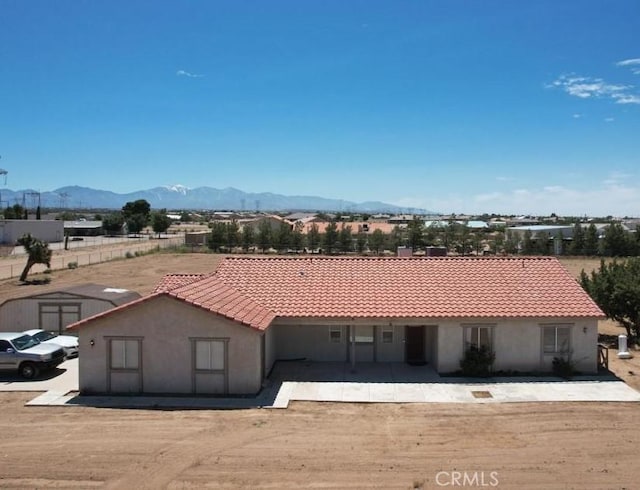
x=89, y=257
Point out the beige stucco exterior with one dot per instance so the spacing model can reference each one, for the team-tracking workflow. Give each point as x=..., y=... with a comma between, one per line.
x=166, y=328
x=517, y=344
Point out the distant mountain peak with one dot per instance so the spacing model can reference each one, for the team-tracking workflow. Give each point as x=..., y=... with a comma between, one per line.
x=177, y=188
x=178, y=197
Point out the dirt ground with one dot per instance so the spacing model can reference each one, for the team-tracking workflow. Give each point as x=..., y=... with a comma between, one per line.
x=540, y=446
x=312, y=445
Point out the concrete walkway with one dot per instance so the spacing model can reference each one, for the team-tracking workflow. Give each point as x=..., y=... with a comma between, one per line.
x=338, y=382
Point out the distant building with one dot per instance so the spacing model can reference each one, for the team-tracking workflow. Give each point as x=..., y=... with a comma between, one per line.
x=46, y=230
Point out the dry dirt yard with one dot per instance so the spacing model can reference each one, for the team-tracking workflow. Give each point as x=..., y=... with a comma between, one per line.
x=539, y=446
x=311, y=445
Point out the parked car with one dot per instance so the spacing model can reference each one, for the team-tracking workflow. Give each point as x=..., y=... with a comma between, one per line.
x=24, y=354
x=68, y=342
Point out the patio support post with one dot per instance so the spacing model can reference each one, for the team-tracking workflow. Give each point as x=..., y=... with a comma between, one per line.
x=352, y=328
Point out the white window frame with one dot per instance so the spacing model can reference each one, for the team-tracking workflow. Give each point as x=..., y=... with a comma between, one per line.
x=556, y=347
x=387, y=330
x=368, y=338
x=127, y=344
x=213, y=368
x=469, y=342
x=335, y=330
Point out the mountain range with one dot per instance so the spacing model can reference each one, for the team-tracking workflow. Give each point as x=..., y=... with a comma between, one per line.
x=178, y=197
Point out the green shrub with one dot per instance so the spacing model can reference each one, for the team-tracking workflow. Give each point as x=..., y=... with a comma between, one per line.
x=564, y=368
x=47, y=271
x=477, y=362
x=72, y=265
x=129, y=255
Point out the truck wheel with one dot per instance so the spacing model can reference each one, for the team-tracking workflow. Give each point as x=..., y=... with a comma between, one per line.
x=28, y=370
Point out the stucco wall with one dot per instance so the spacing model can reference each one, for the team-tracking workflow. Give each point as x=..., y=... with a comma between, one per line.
x=518, y=344
x=166, y=326
x=22, y=313
x=308, y=342
x=269, y=350
x=46, y=230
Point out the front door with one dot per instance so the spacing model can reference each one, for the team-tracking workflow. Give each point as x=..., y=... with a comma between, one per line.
x=414, y=345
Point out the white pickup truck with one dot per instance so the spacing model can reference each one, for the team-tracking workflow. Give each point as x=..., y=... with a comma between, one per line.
x=24, y=354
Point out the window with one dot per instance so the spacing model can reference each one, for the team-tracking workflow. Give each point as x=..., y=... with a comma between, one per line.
x=364, y=334
x=209, y=355
x=56, y=316
x=125, y=354
x=478, y=337
x=4, y=345
x=387, y=335
x=335, y=334
x=556, y=339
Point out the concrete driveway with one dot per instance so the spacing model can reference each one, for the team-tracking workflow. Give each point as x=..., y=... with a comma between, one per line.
x=339, y=382
x=64, y=378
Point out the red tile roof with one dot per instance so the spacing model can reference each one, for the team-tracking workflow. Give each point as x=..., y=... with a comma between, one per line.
x=173, y=281
x=256, y=290
x=442, y=287
x=214, y=295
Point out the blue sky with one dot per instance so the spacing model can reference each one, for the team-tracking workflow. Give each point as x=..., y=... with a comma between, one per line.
x=454, y=106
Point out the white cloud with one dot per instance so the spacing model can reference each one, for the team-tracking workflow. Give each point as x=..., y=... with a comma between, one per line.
x=595, y=88
x=183, y=73
x=504, y=179
x=626, y=98
x=544, y=200
x=609, y=119
x=576, y=116
x=634, y=63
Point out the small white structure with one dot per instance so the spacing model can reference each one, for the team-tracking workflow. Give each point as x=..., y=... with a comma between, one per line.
x=46, y=230
x=623, y=353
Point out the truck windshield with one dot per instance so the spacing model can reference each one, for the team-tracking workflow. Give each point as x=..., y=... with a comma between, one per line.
x=24, y=342
x=42, y=336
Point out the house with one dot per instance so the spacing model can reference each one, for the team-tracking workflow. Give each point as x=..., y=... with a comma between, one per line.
x=54, y=310
x=221, y=333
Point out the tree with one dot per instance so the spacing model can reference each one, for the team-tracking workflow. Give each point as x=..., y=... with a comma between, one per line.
x=330, y=237
x=361, y=241
x=297, y=239
x=14, y=212
x=160, y=222
x=282, y=240
x=136, y=215
x=591, y=241
x=376, y=239
x=615, y=287
x=232, y=235
x=218, y=236
x=38, y=213
x=113, y=223
x=264, y=235
x=313, y=237
x=136, y=222
x=37, y=253
x=510, y=243
x=615, y=242
x=415, y=231
x=247, y=237
x=345, y=239
x=527, y=246
x=394, y=239
x=541, y=245
x=577, y=241
x=141, y=206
